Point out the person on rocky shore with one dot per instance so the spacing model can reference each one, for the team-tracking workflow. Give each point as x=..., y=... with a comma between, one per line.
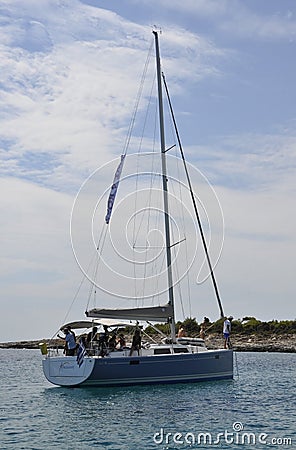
x=226, y=331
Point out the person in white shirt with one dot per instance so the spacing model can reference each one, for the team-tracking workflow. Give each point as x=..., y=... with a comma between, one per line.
x=226, y=331
x=70, y=345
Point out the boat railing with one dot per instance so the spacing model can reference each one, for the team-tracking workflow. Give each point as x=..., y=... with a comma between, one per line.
x=53, y=351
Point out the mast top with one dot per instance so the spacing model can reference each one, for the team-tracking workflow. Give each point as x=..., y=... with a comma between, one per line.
x=156, y=29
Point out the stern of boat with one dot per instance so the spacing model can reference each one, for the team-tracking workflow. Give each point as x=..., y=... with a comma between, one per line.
x=65, y=371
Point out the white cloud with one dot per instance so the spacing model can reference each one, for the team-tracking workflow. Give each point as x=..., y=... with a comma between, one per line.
x=72, y=99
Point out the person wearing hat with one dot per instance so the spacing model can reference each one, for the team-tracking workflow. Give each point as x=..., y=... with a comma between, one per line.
x=226, y=331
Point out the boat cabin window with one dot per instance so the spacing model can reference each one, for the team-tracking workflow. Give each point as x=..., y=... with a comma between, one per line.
x=180, y=350
x=162, y=351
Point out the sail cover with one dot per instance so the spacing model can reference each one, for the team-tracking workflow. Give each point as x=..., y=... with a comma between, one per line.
x=153, y=313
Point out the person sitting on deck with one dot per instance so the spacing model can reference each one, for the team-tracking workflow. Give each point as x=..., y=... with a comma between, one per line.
x=136, y=342
x=121, y=342
x=103, y=341
x=70, y=343
x=112, y=341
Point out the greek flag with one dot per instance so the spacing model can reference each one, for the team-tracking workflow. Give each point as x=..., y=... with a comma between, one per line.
x=114, y=190
x=80, y=353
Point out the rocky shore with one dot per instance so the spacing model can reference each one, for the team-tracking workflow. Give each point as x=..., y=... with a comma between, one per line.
x=285, y=343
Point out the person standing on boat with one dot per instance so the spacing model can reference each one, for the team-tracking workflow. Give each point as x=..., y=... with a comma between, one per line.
x=92, y=336
x=71, y=331
x=181, y=332
x=202, y=332
x=203, y=327
x=103, y=341
x=226, y=331
x=70, y=342
x=136, y=342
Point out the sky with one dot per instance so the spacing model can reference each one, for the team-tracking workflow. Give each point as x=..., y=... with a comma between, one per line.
x=69, y=76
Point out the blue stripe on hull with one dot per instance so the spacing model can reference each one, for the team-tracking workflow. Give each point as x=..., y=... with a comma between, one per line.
x=179, y=368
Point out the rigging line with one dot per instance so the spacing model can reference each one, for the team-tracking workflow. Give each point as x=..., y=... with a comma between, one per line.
x=160, y=271
x=152, y=175
x=79, y=287
x=180, y=210
x=194, y=203
x=99, y=253
x=150, y=194
x=78, y=290
x=139, y=95
x=178, y=285
x=156, y=178
x=184, y=229
x=182, y=215
x=74, y=298
x=146, y=114
x=178, y=194
x=139, y=149
x=135, y=235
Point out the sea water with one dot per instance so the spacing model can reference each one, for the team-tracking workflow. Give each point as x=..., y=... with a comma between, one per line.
x=255, y=410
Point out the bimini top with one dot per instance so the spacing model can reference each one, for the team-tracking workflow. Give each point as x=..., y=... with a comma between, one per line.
x=153, y=313
x=93, y=323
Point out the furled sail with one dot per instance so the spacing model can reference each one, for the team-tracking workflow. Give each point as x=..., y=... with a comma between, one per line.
x=153, y=313
x=114, y=189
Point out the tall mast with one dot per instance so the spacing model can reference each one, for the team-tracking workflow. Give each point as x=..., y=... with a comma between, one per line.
x=165, y=189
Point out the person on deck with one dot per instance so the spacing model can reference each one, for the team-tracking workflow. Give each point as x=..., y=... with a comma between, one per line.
x=71, y=331
x=92, y=336
x=226, y=331
x=203, y=327
x=202, y=332
x=181, y=332
x=112, y=341
x=136, y=342
x=103, y=341
x=70, y=343
x=121, y=341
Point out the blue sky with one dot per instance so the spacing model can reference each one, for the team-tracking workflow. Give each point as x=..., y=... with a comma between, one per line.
x=69, y=76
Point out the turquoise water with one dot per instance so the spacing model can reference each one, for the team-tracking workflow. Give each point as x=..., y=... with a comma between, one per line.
x=36, y=415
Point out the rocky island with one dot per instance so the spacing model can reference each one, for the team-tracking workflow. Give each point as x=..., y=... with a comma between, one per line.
x=248, y=335
x=253, y=343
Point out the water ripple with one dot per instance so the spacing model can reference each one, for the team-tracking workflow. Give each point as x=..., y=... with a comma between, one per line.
x=36, y=416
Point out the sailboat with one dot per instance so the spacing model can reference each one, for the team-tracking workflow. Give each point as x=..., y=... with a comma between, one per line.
x=168, y=360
